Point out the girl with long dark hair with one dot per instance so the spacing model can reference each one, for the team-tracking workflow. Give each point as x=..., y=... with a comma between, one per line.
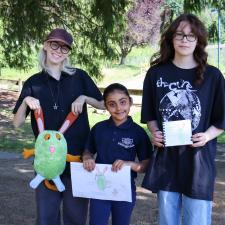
x=180, y=85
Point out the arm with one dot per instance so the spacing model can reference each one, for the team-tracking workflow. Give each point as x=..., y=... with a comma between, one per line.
x=88, y=161
x=77, y=105
x=157, y=135
x=95, y=103
x=20, y=116
x=200, y=139
x=139, y=167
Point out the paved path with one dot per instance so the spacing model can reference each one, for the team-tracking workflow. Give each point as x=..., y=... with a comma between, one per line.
x=17, y=206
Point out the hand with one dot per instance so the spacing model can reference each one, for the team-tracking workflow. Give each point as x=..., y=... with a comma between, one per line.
x=199, y=139
x=118, y=164
x=77, y=105
x=89, y=164
x=32, y=103
x=157, y=138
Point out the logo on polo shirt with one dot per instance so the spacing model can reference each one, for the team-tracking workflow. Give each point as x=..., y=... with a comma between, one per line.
x=126, y=142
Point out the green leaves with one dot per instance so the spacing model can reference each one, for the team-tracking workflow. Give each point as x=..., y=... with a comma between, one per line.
x=25, y=25
x=198, y=5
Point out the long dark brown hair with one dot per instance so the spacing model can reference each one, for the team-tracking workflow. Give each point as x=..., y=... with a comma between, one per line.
x=167, y=52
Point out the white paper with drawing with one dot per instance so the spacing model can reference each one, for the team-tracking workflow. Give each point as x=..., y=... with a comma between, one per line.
x=101, y=183
x=177, y=133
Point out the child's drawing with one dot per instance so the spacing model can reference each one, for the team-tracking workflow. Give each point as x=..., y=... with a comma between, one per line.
x=100, y=178
x=101, y=183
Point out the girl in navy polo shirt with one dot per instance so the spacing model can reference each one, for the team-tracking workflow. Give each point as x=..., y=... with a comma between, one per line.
x=180, y=85
x=116, y=141
x=59, y=89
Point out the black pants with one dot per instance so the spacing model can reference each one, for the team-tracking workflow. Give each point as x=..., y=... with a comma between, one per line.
x=74, y=209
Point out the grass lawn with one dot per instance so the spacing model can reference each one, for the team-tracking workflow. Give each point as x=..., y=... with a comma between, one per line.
x=123, y=72
x=14, y=140
x=221, y=138
x=12, y=74
x=137, y=61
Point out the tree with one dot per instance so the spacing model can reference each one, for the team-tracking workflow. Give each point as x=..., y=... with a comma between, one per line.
x=143, y=26
x=172, y=8
x=25, y=24
x=203, y=9
x=199, y=5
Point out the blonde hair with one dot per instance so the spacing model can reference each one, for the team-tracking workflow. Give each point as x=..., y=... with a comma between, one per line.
x=65, y=67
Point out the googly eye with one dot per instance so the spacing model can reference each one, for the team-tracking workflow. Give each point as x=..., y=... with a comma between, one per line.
x=58, y=136
x=47, y=137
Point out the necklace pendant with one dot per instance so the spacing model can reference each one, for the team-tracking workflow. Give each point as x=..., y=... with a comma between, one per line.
x=55, y=107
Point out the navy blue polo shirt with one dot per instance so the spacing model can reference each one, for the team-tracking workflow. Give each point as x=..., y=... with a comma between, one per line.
x=64, y=91
x=125, y=142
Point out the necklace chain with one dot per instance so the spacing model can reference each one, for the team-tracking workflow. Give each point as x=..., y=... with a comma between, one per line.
x=55, y=100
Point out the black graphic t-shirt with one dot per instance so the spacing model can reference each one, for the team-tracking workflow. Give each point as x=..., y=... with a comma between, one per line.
x=168, y=95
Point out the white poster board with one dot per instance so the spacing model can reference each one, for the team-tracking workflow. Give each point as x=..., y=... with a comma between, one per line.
x=101, y=183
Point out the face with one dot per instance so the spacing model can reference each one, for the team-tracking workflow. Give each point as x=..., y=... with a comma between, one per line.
x=56, y=52
x=118, y=104
x=184, y=40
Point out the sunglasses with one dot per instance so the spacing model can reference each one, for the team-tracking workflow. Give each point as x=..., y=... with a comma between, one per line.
x=63, y=48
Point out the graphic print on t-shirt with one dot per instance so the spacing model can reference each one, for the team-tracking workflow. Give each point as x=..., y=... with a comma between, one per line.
x=180, y=102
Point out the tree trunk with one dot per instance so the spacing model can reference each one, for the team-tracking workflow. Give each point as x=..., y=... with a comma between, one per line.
x=122, y=60
x=123, y=56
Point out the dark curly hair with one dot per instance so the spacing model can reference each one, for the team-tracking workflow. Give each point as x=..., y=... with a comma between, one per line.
x=167, y=52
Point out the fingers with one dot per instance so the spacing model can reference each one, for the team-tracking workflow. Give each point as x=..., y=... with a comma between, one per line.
x=77, y=105
x=32, y=103
x=199, y=140
x=76, y=108
x=158, y=143
x=89, y=164
x=117, y=165
x=157, y=139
